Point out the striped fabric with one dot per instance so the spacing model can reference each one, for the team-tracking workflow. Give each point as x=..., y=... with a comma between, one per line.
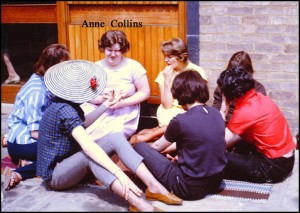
x=30, y=104
x=240, y=190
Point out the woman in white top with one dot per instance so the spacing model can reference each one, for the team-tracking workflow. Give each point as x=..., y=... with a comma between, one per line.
x=125, y=76
x=176, y=57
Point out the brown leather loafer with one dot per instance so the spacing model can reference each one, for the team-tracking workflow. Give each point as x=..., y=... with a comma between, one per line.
x=134, y=209
x=169, y=199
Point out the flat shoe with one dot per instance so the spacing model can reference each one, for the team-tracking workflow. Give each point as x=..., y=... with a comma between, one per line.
x=134, y=209
x=7, y=177
x=169, y=199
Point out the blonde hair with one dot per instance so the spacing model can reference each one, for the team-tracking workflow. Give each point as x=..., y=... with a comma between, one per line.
x=175, y=47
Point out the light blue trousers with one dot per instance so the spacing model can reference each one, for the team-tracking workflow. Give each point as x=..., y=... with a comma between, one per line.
x=73, y=169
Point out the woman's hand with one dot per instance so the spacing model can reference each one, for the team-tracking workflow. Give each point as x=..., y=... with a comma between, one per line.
x=224, y=107
x=165, y=89
x=111, y=98
x=171, y=158
x=98, y=100
x=117, y=105
x=127, y=185
x=167, y=73
x=118, y=100
x=35, y=134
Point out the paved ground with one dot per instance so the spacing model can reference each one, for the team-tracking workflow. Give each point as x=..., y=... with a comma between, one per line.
x=32, y=195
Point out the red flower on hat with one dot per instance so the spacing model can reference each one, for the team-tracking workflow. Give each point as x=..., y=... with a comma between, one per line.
x=93, y=82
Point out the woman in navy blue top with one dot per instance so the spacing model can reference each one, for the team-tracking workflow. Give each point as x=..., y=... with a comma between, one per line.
x=199, y=134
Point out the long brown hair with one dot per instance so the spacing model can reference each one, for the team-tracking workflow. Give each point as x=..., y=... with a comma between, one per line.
x=241, y=58
x=51, y=55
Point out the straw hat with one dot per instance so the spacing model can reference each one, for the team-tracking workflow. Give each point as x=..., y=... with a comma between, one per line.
x=76, y=80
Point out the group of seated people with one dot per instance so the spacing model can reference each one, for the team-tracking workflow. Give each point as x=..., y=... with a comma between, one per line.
x=71, y=116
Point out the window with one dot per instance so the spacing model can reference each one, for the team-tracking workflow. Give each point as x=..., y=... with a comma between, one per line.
x=24, y=44
x=27, y=27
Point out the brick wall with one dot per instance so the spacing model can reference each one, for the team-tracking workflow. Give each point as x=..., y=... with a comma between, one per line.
x=269, y=32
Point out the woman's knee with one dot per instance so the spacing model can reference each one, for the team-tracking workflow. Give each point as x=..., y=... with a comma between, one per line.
x=141, y=147
x=117, y=138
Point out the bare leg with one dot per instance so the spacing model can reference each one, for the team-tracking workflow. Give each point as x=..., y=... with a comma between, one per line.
x=153, y=185
x=136, y=137
x=147, y=131
x=13, y=77
x=156, y=133
x=134, y=200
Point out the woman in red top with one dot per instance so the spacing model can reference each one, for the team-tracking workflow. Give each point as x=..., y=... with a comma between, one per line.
x=257, y=120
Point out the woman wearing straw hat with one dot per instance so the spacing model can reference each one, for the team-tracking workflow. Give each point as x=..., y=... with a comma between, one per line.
x=124, y=75
x=66, y=153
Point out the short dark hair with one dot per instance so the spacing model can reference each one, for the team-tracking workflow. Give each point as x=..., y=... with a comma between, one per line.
x=188, y=87
x=112, y=37
x=235, y=82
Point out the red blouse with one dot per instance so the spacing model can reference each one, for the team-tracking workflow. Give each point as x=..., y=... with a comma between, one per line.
x=258, y=120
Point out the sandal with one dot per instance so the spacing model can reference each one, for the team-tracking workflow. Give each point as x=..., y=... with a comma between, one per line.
x=4, y=140
x=7, y=176
x=10, y=177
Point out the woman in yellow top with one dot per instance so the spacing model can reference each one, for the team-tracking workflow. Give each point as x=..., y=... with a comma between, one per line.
x=176, y=57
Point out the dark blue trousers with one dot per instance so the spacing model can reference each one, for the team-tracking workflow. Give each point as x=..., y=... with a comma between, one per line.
x=24, y=152
x=170, y=175
x=255, y=167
